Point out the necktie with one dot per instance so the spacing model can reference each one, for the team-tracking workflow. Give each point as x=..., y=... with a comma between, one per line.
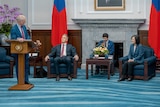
x=22, y=33
x=62, y=50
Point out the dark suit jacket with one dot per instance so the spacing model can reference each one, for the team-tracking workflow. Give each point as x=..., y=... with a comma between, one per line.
x=110, y=46
x=70, y=51
x=15, y=33
x=138, y=55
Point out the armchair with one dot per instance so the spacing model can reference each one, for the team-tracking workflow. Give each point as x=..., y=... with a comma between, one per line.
x=143, y=71
x=62, y=67
x=6, y=64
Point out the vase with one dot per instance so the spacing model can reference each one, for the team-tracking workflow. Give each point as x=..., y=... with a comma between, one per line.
x=96, y=56
x=102, y=55
x=3, y=39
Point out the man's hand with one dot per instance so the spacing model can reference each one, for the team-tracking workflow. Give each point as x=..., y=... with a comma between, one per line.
x=76, y=57
x=131, y=60
x=20, y=39
x=103, y=44
x=46, y=58
x=37, y=43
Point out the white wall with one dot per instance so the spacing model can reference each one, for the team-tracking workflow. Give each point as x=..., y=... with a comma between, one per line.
x=39, y=12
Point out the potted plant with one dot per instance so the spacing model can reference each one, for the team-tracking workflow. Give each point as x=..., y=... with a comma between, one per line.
x=100, y=51
x=7, y=18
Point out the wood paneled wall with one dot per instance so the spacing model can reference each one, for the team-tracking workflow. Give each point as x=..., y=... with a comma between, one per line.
x=45, y=37
x=75, y=38
x=143, y=37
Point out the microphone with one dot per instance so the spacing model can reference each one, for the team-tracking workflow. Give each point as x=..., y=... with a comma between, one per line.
x=30, y=31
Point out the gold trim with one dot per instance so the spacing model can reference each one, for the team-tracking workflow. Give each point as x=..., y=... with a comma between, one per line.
x=102, y=8
x=18, y=47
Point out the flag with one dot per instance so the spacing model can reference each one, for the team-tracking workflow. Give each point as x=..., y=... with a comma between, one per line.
x=59, y=22
x=154, y=27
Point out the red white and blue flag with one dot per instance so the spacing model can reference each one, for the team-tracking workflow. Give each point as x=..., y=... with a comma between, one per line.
x=154, y=27
x=59, y=22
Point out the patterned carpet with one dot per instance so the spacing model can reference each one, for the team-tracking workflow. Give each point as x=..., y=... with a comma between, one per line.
x=97, y=91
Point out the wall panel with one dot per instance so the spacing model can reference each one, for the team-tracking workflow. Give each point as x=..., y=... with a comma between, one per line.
x=143, y=37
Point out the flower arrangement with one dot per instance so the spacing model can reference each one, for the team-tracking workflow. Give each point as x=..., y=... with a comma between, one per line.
x=100, y=50
x=37, y=45
x=7, y=18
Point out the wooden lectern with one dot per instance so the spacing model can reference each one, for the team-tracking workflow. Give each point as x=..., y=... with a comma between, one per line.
x=21, y=48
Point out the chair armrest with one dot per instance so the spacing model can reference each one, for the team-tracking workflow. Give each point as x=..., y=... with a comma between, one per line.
x=75, y=62
x=150, y=60
x=51, y=59
x=125, y=58
x=9, y=58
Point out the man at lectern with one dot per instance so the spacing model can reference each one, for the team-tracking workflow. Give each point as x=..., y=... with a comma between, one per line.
x=20, y=33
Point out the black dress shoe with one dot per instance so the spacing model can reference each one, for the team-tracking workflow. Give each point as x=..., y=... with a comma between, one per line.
x=121, y=79
x=69, y=77
x=57, y=78
x=27, y=82
x=129, y=79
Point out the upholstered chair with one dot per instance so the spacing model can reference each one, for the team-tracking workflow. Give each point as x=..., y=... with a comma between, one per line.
x=143, y=71
x=62, y=68
x=6, y=64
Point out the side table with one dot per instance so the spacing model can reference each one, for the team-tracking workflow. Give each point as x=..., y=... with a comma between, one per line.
x=35, y=61
x=106, y=62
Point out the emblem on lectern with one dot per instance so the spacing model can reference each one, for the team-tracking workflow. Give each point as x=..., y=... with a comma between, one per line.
x=18, y=47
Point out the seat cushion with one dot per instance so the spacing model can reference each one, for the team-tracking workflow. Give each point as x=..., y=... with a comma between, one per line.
x=62, y=68
x=139, y=67
x=139, y=70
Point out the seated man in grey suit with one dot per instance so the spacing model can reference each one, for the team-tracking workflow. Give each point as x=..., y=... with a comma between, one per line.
x=64, y=53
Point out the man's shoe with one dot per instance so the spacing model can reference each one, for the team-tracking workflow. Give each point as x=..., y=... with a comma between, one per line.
x=129, y=79
x=69, y=77
x=57, y=78
x=121, y=79
x=28, y=83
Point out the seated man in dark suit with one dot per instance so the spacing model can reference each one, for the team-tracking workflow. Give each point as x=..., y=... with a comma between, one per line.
x=64, y=53
x=108, y=44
